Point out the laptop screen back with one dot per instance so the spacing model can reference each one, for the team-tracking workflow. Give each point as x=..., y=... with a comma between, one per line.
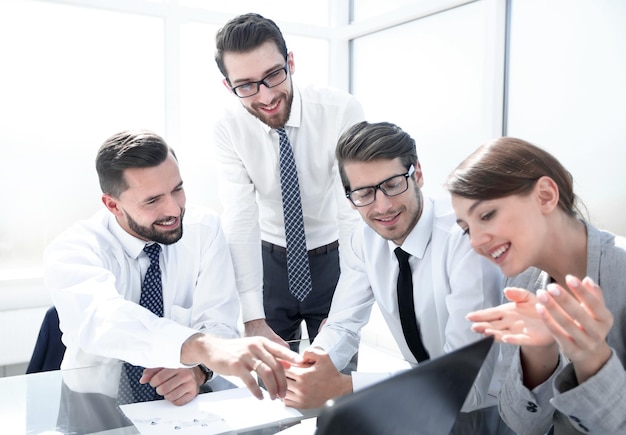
x=423, y=400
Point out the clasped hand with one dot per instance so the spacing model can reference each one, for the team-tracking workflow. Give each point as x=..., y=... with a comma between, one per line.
x=179, y=386
x=316, y=380
x=577, y=319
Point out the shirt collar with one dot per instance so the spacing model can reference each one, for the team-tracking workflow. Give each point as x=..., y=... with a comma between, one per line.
x=418, y=239
x=295, y=117
x=131, y=244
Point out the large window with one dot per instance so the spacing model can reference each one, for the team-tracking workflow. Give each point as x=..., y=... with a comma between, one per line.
x=70, y=78
x=434, y=77
x=76, y=72
x=567, y=93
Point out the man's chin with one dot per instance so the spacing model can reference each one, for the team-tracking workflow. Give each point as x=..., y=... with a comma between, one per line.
x=274, y=124
x=388, y=233
x=168, y=237
x=271, y=121
x=277, y=120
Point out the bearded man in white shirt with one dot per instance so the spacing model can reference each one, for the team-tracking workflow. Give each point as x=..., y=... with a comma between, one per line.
x=257, y=67
x=383, y=180
x=94, y=272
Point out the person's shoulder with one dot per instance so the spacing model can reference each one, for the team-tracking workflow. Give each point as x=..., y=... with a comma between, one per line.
x=607, y=238
x=443, y=213
x=366, y=233
x=201, y=227
x=92, y=234
x=611, y=246
x=364, y=238
x=233, y=113
x=95, y=226
x=325, y=95
x=446, y=233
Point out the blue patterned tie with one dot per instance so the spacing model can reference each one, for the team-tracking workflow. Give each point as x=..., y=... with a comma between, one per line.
x=152, y=299
x=298, y=269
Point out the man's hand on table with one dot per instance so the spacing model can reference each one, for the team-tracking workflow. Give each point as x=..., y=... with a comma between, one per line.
x=316, y=380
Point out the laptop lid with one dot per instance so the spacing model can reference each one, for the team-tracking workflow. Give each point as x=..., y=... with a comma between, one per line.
x=426, y=399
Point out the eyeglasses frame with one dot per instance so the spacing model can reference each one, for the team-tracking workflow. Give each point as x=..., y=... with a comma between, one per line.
x=406, y=175
x=262, y=82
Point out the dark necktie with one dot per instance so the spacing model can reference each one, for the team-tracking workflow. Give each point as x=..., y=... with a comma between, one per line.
x=298, y=268
x=152, y=299
x=406, y=307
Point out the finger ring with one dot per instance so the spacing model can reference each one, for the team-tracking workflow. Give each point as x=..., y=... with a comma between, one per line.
x=257, y=364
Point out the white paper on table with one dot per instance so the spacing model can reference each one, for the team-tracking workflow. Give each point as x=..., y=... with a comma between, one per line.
x=210, y=413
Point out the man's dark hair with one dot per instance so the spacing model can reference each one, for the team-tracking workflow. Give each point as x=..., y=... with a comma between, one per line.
x=365, y=142
x=245, y=33
x=124, y=150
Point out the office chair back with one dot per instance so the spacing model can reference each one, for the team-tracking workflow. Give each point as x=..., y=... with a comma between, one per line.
x=49, y=349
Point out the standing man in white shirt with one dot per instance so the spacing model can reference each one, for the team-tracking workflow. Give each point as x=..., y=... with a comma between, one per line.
x=383, y=180
x=97, y=274
x=276, y=297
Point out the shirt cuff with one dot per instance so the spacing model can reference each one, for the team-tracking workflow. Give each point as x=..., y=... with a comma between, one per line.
x=174, y=336
x=252, y=305
x=606, y=385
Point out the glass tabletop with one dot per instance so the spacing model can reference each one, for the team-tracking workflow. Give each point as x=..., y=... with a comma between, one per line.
x=78, y=401
x=83, y=401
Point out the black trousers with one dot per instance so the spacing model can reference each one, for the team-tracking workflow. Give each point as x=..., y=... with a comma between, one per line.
x=283, y=312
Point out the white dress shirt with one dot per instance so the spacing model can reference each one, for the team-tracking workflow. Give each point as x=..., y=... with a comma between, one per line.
x=449, y=280
x=249, y=182
x=95, y=271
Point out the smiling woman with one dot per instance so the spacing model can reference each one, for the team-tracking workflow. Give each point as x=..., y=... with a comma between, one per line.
x=507, y=187
x=516, y=204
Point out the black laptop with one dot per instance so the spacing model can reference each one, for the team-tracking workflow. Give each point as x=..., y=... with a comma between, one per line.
x=423, y=400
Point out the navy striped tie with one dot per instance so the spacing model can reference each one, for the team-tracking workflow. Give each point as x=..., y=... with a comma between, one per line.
x=152, y=299
x=298, y=268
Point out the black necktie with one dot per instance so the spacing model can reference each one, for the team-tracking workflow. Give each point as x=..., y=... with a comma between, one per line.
x=152, y=299
x=406, y=306
x=298, y=268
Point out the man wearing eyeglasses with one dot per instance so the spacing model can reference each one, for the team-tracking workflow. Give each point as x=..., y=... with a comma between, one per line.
x=383, y=180
x=284, y=275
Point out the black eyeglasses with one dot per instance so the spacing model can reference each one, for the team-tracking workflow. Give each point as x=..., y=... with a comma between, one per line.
x=271, y=80
x=392, y=186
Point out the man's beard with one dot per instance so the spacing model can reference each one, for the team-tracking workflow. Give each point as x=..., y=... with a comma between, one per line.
x=151, y=233
x=275, y=121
